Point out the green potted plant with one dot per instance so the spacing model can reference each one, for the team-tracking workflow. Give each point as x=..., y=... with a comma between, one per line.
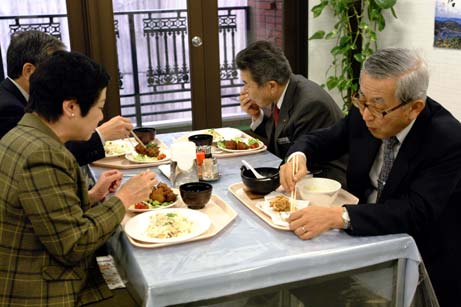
x=355, y=32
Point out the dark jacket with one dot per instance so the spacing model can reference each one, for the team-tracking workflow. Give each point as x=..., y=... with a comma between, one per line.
x=422, y=195
x=305, y=108
x=12, y=104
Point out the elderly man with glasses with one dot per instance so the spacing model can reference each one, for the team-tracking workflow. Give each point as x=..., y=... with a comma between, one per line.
x=404, y=166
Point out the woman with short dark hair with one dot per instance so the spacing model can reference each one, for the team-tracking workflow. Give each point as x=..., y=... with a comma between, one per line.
x=50, y=225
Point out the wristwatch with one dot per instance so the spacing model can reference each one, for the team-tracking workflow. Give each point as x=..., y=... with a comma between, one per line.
x=346, y=219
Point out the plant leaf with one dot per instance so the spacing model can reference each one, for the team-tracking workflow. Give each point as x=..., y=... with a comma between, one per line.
x=381, y=22
x=318, y=35
x=358, y=57
x=394, y=13
x=317, y=10
x=336, y=50
x=385, y=4
x=331, y=82
x=332, y=34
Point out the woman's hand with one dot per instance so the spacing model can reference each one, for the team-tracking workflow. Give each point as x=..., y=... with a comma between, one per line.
x=108, y=182
x=137, y=188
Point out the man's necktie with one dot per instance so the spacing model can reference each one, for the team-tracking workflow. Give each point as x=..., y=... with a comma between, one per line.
x=276, y=114
x=389, y=145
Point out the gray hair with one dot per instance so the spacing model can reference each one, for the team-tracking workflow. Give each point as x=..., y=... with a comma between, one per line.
x=407, y=66
x=30, y=47
x=265, y=62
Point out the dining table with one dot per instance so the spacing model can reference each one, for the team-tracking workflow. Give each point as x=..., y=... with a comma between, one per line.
x=250, y=258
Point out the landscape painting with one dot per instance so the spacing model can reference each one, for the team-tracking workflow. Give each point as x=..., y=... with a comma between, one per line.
x=447, y=29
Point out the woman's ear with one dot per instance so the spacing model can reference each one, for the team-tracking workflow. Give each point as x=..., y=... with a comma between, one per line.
x=70, y=108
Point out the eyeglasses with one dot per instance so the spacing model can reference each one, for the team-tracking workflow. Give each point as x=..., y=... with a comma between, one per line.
x=359, y=101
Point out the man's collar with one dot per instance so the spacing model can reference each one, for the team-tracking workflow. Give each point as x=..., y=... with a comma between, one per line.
x=403, y=134
x=23, y=92
x=279, y=102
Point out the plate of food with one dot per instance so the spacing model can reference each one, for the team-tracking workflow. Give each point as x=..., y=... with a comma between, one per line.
x=151, y=153
x=117, y=148
x=240, y=144
x=167, y=225
x=277, y=206
x=162, y=197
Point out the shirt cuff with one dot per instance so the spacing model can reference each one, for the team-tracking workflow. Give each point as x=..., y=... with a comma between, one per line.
x=297, y=153
x=255, y=123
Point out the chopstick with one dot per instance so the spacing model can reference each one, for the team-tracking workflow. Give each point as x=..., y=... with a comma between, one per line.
x=293, y=193
x=137, y=139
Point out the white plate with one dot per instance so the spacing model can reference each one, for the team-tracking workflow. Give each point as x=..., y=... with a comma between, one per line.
x=133, y=209
x=117, y=148
x=131, y=157
x=279, y=218
x=137, y=226
x=261, y=144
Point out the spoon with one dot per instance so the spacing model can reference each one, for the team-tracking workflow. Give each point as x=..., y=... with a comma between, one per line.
x=257, y=175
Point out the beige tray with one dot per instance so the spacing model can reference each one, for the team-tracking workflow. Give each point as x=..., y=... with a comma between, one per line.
x=121, y=162
x=220, y=213
x=218, y=153
x=344, y=197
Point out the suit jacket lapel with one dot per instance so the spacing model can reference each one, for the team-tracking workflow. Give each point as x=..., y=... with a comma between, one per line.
x=285, y=111
x=407, y=152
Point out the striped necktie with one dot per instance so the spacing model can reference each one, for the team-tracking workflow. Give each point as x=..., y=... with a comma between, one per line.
x=389, y=145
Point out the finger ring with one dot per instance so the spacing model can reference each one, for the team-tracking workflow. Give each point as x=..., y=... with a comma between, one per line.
x=304, y=229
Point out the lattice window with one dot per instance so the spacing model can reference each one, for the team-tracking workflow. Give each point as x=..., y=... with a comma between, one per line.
x=168, y=33
x=52, y=28
x=228, y=26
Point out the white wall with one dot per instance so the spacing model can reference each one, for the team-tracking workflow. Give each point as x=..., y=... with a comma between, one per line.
x=414, y=28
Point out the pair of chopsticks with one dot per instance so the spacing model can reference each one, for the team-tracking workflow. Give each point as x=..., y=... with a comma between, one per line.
x=137, y=139
x=293, y=193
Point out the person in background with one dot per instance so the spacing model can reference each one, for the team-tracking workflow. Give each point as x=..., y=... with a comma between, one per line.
x=50, y=225
x=294, y=105
x=25, y=53
x=404, y=166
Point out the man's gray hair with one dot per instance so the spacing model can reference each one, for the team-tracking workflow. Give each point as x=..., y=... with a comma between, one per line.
x=405, y=65
x=265, y=62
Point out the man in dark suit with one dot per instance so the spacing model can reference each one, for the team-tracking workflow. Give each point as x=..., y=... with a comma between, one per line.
x=404, y=165
x=25, y=52
x=294, y=105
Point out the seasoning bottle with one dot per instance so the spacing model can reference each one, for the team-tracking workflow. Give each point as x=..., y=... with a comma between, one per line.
x=210, y=169
x=200, y=158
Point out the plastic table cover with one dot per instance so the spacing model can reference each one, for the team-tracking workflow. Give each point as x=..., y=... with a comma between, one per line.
x=249, y=254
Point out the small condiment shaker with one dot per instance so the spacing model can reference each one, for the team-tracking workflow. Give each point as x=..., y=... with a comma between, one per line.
x=210, y=169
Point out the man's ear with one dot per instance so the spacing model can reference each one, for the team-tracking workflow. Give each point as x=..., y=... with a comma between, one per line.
x=70, y=108
x=27, y=70
x=272, y=84
x=415, y=108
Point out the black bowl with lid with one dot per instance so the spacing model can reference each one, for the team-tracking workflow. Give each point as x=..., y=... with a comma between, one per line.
x=201, y=139
x=145, y=134
x=263, y=186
